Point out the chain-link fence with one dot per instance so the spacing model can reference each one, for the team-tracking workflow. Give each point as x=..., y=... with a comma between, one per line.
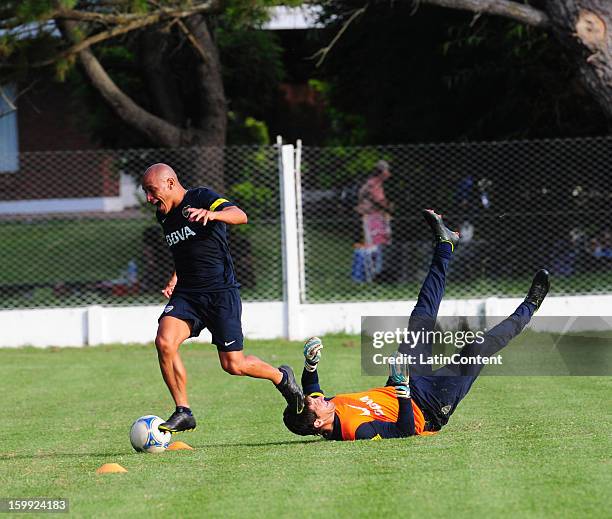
x=519, y=206
x=75, y=230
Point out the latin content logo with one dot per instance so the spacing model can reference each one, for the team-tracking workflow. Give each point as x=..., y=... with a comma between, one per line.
x=178, y=236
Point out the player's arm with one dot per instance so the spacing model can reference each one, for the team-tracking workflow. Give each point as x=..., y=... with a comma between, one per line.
x=169, y=288
x=404, y=426
x=214, y=207
x=231, y=215
x=310, y=376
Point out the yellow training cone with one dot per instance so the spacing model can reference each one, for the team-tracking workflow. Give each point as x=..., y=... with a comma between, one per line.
x=109, y=468
x=180, y=446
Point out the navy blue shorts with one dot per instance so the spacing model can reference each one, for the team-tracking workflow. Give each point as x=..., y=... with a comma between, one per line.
x=220, y=312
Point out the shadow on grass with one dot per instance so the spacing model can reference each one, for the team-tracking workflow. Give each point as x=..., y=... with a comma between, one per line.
x=51, y=455
x=261, y=444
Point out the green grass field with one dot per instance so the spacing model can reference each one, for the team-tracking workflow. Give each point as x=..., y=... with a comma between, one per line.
x=91, y=250
x=516, y=447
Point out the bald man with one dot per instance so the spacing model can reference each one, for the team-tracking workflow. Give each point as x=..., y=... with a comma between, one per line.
x=203, y=290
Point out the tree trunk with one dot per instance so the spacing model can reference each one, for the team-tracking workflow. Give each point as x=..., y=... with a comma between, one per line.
x=584, y=27
x=155, y=128
x=213, y=105
x=212, y=124
x=163, y=87
x=205, y=158
x=523, y=13
x=208, y=161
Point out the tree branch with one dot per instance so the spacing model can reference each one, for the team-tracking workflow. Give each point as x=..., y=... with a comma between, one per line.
x=322, y=53
x=163, y=87
x=120, y=19
x=192, y=39
x=8, y=101
x=520, y=12
x=126, y=23
x=213, y=104
x=99, y=37
x=154, y=127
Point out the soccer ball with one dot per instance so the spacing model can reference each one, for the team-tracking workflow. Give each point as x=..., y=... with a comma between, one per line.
x=145, y=435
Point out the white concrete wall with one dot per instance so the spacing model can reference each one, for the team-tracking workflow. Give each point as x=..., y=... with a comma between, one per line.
x=62, y=205
x=102, y=325
x=44, y=327
x=129, y=191
x=128, y=197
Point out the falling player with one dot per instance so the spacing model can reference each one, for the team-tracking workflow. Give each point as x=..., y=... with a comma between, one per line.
x=419, y=404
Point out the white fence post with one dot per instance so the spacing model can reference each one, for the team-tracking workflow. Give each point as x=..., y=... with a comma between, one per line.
x=300, y=219
x=290, y=248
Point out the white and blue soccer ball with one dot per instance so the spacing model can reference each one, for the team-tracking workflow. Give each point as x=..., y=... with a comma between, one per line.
x=146, y=436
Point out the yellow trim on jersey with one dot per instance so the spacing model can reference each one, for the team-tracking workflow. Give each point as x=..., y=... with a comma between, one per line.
x=451, y=244
x=377, y=437
x=315, y=394
x=217, y=203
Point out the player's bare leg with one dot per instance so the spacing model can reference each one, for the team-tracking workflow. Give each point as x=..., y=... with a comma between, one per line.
x=236, y=363
x=170, y=335
x=180, y=377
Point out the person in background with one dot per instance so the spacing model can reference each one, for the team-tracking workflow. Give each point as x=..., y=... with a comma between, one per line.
x=375, y=211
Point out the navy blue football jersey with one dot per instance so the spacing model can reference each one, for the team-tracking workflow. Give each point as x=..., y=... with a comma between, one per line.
x=201, y=254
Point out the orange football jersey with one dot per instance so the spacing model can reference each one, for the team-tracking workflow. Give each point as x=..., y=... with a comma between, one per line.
x=380, y=403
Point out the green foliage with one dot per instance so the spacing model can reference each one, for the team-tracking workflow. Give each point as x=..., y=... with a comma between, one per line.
x=438, y=75
x=252, y=71
x=62, y=67
x=344, y=166
x=252, y=64
x=248, y=14
x=247, y=131
x=67, y=4
x=118, y=54
x=32, y=10
x=140, y=6
x=239, y=15
x=121, y=61
x=79, y=34
x=256, y=200
x=344, y=128
x=254, y=187
x=6, y=45
x=519, y=41
x=258, y=130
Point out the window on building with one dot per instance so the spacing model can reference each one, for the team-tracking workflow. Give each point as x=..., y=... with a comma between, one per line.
x=9, y=139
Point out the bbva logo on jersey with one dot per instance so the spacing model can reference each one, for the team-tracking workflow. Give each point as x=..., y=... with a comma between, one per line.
x=177, y=236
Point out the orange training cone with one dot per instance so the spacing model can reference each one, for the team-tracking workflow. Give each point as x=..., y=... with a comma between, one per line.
x=180, y=446
x=110, y=468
